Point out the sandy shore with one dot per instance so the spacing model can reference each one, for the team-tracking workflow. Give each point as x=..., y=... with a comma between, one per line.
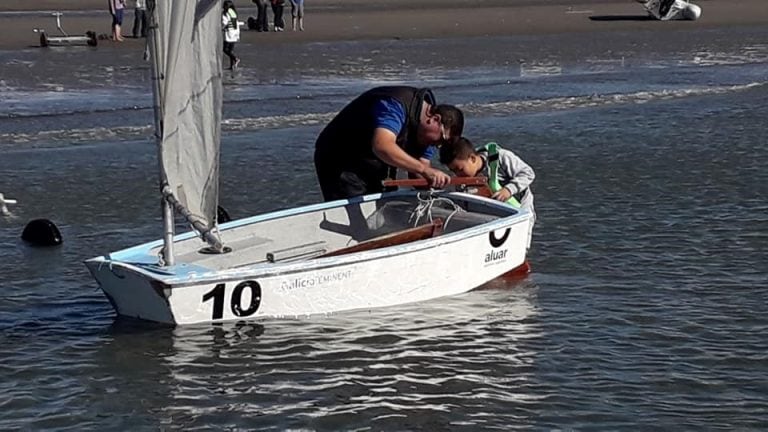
x=330, y=20
x=460, y=33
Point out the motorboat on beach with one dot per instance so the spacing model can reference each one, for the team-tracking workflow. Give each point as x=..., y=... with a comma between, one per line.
x=372, y=251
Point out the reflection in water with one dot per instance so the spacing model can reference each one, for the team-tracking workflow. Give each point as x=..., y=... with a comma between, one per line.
x=366, y=367
x=540, y=68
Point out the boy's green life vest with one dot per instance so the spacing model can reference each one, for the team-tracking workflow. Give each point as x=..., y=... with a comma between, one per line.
x=492, y=149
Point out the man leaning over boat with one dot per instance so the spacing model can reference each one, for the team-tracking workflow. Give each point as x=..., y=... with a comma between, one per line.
x=381, y=131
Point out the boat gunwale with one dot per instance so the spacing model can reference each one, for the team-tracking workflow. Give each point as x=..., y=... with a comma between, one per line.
x=261, y=270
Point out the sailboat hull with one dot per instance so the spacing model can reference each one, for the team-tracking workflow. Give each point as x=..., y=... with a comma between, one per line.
x=483, y=243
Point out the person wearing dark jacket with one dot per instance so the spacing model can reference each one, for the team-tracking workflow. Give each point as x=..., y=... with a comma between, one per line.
x=381, y=131
x=277, y=9
x=140, y=19
x=262, y=23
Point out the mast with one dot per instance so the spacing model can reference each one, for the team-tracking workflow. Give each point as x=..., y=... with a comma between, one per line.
x=167, y=256
x=163, y=90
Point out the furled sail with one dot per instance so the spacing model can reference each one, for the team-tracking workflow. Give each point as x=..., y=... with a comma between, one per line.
x=185, y=44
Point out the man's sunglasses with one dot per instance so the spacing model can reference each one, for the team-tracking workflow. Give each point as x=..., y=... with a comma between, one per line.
x=443, y=135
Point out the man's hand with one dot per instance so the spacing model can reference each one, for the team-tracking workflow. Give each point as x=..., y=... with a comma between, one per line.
x=436, y=178
x=503, y=195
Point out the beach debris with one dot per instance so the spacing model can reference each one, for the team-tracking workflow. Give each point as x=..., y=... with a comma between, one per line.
x=571, y=10
x=668, y=10
x=64, y=39
x=41, y=232
x=3, y=205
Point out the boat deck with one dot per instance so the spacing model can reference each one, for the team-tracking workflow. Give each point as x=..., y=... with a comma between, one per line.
x=311, y=234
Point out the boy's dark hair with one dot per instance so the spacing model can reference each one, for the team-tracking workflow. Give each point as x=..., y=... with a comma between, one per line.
x=452, y=118
x=462, y=149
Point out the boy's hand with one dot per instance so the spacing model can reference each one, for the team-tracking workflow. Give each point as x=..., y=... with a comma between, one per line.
x=503, y=195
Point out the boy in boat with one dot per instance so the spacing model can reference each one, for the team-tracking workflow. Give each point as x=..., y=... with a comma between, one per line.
x=509, y=177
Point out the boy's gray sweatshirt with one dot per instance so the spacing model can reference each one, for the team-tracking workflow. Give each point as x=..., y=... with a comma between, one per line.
x=514, y=175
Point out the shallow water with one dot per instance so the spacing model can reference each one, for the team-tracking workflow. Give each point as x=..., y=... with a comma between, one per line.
x=645, y=309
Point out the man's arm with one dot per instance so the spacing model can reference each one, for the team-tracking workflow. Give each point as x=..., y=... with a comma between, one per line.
x=390, y=119
x=426, y=163
x=426, y=157
x=385, y=147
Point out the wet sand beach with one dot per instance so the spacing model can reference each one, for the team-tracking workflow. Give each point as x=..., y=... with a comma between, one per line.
x=328, y=20
x=567, y=27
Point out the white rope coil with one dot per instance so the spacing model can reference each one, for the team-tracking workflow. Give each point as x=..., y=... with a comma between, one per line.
x=424, y=209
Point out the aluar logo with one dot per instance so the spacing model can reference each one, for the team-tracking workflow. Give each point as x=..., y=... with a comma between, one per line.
x=498, y=241
x=496, y=255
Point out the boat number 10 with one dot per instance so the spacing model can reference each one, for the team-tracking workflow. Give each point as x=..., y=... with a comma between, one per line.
x=219, y=293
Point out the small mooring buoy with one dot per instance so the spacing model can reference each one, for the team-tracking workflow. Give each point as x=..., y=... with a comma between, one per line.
x=41, y=232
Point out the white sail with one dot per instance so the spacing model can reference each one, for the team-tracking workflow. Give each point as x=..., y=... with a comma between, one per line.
x=187, y=44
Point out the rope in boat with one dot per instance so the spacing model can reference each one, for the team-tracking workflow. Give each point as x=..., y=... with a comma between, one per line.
x=424, y=209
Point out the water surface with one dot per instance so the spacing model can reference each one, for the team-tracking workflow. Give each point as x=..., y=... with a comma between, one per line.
x=645, y=309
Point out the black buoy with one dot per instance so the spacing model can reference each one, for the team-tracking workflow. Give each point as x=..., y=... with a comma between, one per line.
x=92, y=39
x=222, y=216
x=252, y=23
x=43, y=39
x=41, y=232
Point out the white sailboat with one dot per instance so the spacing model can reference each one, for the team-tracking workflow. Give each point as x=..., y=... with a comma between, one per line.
x=372, y=251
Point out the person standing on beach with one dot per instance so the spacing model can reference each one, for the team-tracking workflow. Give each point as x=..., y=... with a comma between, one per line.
x=140, y=19
x=231, y=29
x=262, y=23
x=297, y=14
x=381, y=131
x=277, y=9
x=116, y=8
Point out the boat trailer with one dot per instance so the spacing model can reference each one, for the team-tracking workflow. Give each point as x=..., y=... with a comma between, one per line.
x=64, y=39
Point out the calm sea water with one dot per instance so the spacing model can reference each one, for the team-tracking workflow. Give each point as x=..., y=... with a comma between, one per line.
x=646, y=308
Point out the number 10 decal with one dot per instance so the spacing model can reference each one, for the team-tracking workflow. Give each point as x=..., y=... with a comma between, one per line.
x=219, y=292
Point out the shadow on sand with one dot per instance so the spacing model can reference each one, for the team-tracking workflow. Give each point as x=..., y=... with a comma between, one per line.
x=622, y=18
